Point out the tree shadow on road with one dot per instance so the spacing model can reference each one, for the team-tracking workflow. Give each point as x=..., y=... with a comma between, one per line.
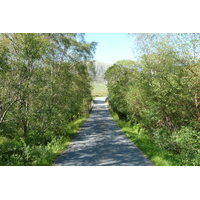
x=100, y=142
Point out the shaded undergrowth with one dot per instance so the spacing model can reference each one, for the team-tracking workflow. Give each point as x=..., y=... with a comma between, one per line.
x=140, y=137
x=15, y=152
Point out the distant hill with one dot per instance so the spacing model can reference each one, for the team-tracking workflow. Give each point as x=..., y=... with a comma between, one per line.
x=97, y=71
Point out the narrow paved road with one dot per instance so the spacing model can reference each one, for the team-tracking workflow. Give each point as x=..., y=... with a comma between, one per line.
x=100, y=142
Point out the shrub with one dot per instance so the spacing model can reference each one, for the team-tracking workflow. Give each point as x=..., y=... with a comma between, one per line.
x=187, y=139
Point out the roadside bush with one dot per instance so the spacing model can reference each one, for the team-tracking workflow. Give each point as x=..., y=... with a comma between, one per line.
x=12, y=152
x=187, y=139
x=184, y=142
x=39, y=138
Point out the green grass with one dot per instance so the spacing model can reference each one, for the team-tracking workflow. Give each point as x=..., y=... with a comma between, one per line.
x=99, y=89
x=17, y=152
x=143, y=141
x=59, y=147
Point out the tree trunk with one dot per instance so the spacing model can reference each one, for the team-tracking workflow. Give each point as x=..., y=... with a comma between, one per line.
x=5, y=111
x=197, y=103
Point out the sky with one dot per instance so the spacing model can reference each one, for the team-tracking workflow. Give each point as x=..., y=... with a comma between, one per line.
x=112, y=47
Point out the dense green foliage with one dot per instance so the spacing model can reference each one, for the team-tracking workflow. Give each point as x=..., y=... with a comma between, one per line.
x=140, y=137
x=161, y=92
x=44, y=87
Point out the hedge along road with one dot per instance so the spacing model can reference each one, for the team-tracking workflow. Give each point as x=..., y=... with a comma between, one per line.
x=100, y=142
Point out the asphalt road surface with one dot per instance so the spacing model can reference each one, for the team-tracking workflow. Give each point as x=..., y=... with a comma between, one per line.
x=100, y=142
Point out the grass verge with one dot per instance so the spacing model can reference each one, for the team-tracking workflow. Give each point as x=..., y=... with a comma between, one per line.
x=18, y=153
x=143, y=141
x=58, y=147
